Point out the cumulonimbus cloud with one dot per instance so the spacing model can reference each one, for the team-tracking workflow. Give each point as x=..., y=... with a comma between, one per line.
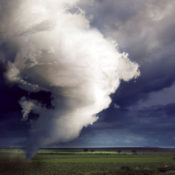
x=58, y=51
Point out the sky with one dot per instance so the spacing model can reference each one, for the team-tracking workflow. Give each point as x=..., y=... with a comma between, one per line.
x=142, y=110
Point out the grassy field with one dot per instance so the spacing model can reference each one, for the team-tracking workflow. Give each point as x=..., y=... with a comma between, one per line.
x=91, y=162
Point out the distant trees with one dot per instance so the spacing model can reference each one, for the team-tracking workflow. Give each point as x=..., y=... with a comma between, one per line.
x=119, y=151
x=134, y=152
x=85, y=149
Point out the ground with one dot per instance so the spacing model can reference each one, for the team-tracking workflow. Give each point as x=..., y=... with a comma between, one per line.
x=88, y=162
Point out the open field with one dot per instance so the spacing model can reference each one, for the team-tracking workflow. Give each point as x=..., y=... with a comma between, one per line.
x=89, y=162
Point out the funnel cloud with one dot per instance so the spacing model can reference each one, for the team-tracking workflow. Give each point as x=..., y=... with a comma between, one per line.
x=56, y=50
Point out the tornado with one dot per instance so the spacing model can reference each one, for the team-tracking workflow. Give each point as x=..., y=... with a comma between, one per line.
x=58, y=51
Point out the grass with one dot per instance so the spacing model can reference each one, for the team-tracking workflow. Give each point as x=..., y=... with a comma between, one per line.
x=78, y=162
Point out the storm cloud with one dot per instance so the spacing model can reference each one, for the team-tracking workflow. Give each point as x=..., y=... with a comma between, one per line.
x=142, y=110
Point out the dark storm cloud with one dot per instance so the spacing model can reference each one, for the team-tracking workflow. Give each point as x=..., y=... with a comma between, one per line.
x=155, y=77
x=153, y=126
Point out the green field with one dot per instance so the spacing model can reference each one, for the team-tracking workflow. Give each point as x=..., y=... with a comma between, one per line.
x=81, y=162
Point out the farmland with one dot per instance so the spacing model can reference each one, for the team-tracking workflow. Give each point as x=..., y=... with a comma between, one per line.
x=89, y=162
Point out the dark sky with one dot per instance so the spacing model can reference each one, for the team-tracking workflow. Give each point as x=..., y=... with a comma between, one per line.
x=142, y=112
